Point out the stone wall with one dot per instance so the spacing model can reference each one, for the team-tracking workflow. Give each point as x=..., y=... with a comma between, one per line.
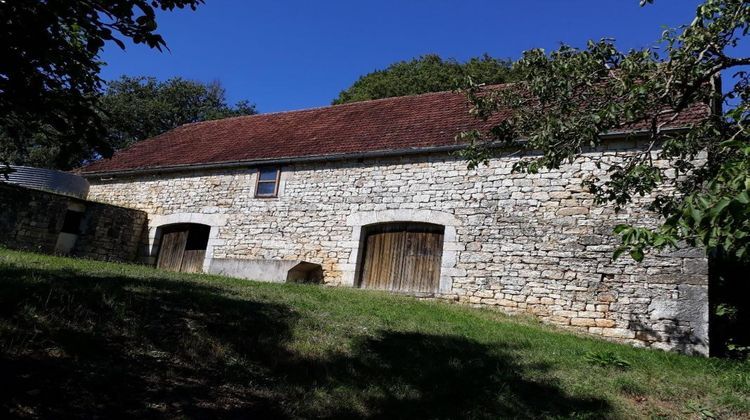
x=33, y=220
x=523, y=243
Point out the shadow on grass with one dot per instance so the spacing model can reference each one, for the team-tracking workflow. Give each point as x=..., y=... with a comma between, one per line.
x=75, y=345
x=414, y=375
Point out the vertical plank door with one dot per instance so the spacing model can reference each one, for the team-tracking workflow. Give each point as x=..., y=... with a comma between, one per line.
x=422, y=260
x=402, y=258
x=172, y=248
x=195, y=248
x=192, y=261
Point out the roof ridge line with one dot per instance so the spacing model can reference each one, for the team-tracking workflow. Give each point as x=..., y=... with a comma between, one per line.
x=316, y=108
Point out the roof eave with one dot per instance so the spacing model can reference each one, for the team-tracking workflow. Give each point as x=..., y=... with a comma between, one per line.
x=273, y=161
x=321, y=158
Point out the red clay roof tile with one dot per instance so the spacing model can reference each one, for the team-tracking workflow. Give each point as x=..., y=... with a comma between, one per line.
x=410, y=122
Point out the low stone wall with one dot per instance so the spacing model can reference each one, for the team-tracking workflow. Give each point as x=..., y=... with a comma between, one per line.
x=33, y=220
x=532, y=243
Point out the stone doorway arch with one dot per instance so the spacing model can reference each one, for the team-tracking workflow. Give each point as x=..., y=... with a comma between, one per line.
x=183, y=247
x=360, y=220
x=401, y=257
x=157, y=223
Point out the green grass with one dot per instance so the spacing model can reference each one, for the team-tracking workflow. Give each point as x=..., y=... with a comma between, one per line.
x=89, y=339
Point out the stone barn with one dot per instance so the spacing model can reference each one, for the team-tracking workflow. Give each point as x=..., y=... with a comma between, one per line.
x=372, y=195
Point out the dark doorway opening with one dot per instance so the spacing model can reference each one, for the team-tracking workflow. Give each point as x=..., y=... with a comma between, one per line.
x=402, y=257
x=305, y=272
x=729, y=319
x=183, y=247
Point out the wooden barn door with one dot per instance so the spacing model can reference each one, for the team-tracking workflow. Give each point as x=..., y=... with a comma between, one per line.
x=172, y=249
x=183, y=247
x=403, y=257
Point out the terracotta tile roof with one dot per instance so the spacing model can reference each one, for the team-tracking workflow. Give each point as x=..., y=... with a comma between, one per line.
x=394, y=124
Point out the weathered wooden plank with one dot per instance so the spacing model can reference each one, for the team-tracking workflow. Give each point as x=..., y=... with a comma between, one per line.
x=192, y=261
x=172, y=249
x=403, y=258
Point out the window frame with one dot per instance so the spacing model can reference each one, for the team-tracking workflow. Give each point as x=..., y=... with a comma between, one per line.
x=276, y=182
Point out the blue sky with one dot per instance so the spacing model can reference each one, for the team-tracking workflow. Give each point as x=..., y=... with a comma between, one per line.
x=293, y=54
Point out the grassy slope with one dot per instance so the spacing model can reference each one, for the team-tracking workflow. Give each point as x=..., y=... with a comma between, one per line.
x=81, y=338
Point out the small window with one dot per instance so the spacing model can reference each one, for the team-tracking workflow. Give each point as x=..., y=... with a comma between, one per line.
x=72, y=222
x=268, y=182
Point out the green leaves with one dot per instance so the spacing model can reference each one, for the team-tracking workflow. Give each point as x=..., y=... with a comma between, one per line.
x=716, y=217
x=49, y=74
x=694, y=176
x=428, y=73
x=637, y=254
x=636, y=239
x=136, y=108
x=606, y=359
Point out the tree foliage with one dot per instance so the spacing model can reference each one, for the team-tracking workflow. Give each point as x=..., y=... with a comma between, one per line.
x=428, y=73
x=136, y=108
x=567, y=98
x=49, y=71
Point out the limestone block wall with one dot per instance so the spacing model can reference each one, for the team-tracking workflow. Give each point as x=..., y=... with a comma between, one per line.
x=33, y=220
x=523, y=243
x=28, y=219
x=110, y=233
